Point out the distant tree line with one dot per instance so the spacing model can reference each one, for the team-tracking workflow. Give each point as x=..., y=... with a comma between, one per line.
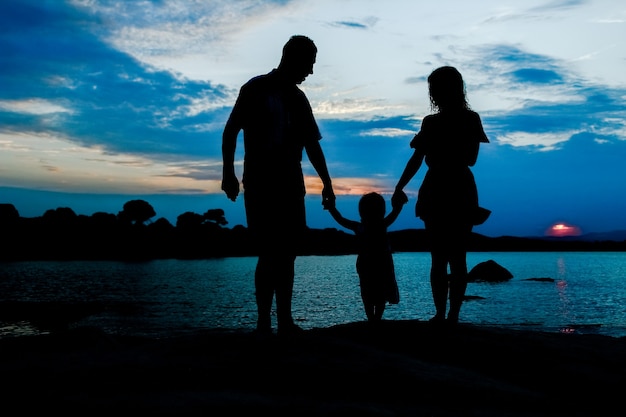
x=61, y=234
x=131, y=234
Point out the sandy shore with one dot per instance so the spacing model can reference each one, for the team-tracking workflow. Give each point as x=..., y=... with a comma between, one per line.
x=402, y=368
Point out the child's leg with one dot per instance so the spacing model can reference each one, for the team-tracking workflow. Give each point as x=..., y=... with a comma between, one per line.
x=369, y=310
x=368, y=306
x=366, y=292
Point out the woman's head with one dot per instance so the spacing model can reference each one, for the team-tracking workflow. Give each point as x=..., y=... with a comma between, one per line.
x=372, y=207
x=447, y=89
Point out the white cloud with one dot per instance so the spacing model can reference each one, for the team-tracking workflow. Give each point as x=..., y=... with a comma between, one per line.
x=55, y=163
x=355, y=109
x=389, y=132
x=367, y=47
x=35, y=106
x=543, y=141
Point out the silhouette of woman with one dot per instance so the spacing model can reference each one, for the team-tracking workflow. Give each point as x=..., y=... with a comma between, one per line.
x=447, y=202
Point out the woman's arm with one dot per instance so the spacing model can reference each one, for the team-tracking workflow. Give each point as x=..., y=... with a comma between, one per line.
x=412, y=166
x=478, y=136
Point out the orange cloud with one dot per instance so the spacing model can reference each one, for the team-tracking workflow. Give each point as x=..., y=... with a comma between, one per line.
x=348, y=186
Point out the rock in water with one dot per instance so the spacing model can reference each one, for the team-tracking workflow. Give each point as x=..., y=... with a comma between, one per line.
x=489, y=271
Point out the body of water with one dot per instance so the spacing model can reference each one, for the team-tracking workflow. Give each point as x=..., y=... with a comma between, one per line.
x=587, y=293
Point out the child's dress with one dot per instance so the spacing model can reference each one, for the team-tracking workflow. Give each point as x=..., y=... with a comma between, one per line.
x=375, y=265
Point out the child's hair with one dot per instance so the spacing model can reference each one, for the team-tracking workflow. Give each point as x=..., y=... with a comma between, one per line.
x=372, y=206
x=447, y=90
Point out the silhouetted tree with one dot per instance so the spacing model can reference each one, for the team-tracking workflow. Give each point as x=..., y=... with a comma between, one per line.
x=103, y=221
x=59, y=235
x=8, y=213
x=201, y=235
x=136, y=212
x=162, y=239
x=216, y=216
x=62, y=216
x=11, y=236
x=189, y=220
x=162, y=224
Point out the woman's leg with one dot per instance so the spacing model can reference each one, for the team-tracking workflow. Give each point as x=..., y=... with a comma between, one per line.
x=436, y=235
x=458, y=285
x=439, y=284
x=458, y=276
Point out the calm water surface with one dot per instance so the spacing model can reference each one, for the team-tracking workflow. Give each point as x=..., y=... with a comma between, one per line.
x=168, y=297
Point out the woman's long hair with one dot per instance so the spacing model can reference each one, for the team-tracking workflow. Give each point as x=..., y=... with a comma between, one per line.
x=447, y=90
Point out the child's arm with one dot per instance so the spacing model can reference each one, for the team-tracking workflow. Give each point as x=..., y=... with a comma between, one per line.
x=396, y=205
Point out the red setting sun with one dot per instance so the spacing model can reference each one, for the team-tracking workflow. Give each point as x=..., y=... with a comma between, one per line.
x=562, y=230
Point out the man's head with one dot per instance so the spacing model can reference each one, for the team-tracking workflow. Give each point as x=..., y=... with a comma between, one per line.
x=299, y=55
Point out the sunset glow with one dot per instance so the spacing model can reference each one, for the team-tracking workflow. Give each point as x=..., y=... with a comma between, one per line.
x=562, y=230
x=133, y=104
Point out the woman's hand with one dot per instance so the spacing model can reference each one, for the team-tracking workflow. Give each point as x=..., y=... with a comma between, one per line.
x=399, y=198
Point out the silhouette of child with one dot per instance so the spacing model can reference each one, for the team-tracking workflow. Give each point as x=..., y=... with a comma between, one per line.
x=374, y=262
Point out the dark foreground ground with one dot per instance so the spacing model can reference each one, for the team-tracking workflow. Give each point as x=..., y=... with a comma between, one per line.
x=403, y=368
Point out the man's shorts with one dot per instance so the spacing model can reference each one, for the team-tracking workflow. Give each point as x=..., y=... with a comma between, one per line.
x=277, y=222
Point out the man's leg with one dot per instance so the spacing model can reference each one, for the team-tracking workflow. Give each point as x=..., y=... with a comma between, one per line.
x=264, y=277
x=287, y=237
x=284, y=293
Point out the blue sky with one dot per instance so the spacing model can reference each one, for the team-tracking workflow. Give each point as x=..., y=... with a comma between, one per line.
x=106, y=101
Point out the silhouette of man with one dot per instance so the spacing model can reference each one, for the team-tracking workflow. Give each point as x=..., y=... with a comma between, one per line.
x=278, y=124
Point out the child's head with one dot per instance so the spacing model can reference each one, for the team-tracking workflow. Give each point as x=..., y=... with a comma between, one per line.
x=447, y=89
x=372, y=207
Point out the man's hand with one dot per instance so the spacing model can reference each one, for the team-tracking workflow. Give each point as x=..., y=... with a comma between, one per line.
x=328, y=197
x=230, y=185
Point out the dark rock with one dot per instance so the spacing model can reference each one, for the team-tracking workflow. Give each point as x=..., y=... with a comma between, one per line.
x=540, y=279
x=489, y=271
x=472, y=297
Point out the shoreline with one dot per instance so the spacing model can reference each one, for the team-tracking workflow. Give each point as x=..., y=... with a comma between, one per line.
x=405, y=367
x=41, y=318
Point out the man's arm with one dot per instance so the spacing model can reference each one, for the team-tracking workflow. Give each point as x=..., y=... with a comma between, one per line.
x=230, y=183
x=318, y=160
